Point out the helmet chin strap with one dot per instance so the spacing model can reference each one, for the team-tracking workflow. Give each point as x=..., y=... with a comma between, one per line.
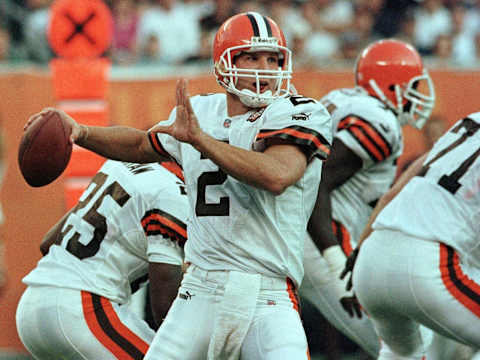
x=250, y=99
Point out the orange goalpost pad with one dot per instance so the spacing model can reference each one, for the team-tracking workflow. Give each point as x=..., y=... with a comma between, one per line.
x=87, y=112
x=83, y=163
x=80, y=78
x=73, y=188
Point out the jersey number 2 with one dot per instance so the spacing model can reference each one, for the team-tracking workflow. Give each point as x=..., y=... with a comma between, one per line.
x=202, y=208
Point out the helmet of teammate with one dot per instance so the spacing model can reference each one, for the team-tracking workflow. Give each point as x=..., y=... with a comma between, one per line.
x=392, y=71
x=251, y=32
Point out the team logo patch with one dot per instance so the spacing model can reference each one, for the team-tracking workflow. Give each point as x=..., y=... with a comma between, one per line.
x=256, y=115
x=227, y=123
x=301, y=117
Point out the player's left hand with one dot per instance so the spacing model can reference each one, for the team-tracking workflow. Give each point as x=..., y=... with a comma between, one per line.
x=185, y=128
x=351, y=305
x=349, y=265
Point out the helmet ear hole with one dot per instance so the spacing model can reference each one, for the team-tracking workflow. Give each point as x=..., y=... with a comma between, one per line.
x=391, y=87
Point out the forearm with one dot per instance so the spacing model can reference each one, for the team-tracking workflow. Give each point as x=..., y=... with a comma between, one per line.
x=165, y=281
x=118, y=143
x=53, y=235
x=320, y=223
x=259, y=169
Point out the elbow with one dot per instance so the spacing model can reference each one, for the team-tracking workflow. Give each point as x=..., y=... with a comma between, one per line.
x=44, y=249
x=145, y=153
x=278, y=185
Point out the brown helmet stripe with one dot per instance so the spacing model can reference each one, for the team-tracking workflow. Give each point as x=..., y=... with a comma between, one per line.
x=256, y=32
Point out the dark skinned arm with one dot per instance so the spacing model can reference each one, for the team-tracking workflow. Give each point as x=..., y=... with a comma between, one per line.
x=340, y=166
x=53, y=235
x=164, y=283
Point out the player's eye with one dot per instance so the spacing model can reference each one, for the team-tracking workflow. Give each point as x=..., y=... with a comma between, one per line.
x=273, y=59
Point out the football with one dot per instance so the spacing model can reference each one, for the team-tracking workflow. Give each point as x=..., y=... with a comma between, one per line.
x=44, y=150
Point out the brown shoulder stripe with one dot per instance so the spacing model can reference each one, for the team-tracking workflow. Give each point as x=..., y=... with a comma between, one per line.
x=301, y=136
x=158, y=222
x=374, y=143
x=156, y=145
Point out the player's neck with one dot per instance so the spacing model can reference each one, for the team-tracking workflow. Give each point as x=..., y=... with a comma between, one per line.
x=235, y=106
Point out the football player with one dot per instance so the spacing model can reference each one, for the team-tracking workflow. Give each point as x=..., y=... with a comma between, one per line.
x=129, y=225
x=367, y=121
x=423, y=249
x=252, y=163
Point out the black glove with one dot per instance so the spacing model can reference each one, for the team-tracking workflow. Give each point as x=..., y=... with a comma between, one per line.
x=351, y=305
x=349, y=264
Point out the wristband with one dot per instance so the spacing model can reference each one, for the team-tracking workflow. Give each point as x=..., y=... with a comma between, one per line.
x=335, y=258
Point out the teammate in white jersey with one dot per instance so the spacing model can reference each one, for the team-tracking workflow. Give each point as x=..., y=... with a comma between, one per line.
x=367, y=121
x=252, y=164
x=424, y=251
x=128, y=225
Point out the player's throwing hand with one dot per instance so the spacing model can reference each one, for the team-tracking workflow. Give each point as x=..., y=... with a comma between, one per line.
x=185, y=128
x=77, y=130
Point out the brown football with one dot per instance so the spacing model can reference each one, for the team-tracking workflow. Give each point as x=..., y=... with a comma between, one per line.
x=45, y=150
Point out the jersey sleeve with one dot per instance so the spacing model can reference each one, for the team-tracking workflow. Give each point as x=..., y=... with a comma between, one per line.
x=371, y=140
x=302, y=121
x=165, y=144
x=164, y=222
x=166, y=236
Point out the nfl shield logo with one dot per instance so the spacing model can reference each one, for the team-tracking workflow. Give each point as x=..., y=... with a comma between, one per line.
x=227, y=123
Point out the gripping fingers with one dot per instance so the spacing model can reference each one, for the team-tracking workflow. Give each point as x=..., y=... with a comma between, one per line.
x=351, y=305
x=36, y=116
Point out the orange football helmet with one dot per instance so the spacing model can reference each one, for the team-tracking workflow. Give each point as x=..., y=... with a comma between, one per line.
x=251, y=32
x=392, y=71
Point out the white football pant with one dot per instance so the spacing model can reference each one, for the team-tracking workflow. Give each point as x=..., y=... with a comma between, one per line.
x=57, y=323
x=403, y=281
x=225, y=315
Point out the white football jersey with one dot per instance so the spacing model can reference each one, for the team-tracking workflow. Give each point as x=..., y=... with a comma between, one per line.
x=443, y=202
x=130, y=215
x=371, y=131
x=240, y=227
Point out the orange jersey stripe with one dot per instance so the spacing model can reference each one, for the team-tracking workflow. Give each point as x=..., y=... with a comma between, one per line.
x=298, y=134
x=462, y=288
x=164, y=221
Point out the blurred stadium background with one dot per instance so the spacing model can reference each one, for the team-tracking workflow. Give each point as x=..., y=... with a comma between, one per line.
x=154, y=42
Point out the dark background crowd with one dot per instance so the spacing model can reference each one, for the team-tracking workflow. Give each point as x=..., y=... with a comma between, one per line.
x=322, y=33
